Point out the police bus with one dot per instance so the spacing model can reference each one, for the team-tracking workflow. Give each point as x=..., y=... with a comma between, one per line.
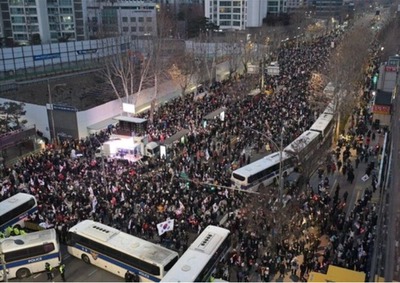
x=263, y=171
x=15, y=210
x=28, y=254
x=200, y=260
x=118, y=252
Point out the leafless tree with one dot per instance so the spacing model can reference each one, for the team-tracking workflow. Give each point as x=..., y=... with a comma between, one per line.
x=231, y=49
x=183, y=70
x=346, y=66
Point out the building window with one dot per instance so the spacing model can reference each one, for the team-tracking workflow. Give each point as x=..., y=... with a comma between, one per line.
x=149, y=19
x=236, y=10
x=18, y=20
x=141, y=29
x=141, y=19
x=225, y=3
x=20, y=36
x=125, y=19
x=236, y=17
x=125, y=29
x=149, y=29
x=66, y=10
x=224, y=17
x=16, y=11
x=133, y=20
x=225, y=23
x=133, y=29
x=225, y=10
x=65, y=2
x=236, y=24
x=66, y=19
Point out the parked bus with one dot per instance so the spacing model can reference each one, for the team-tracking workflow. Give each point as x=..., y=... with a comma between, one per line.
x=16, y=209
x=263, y=171
x=117, y=252
x=28, y=254
x=304, y=146
x=200, y=260
x=325, y=126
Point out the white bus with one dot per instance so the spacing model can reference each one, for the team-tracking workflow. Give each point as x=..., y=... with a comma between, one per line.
x=28, y=254
x=200, y=260
x=263, y=171
x=324, y=125
x=117, y=252
x=15, y=209
x=304, y=146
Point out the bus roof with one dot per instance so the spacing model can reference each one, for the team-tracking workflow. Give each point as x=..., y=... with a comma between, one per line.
x=176, y=137
x=322, y=122
x=260, y=164
x=301, y=142
x=9, y=203
x=188, y=267
x=21, y=242
x=124, y=242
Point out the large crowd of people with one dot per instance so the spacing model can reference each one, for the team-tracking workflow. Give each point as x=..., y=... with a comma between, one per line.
x=135, y=197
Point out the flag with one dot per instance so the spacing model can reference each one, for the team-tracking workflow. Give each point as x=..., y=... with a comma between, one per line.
x=165, y=226
x=181, y=206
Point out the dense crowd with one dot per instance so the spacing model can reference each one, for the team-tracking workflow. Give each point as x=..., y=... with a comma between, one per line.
x=135, y=197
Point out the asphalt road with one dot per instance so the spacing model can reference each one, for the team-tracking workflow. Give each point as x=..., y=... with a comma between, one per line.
x=75, y=271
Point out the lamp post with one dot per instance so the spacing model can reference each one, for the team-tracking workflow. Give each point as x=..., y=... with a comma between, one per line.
x=51, y=108
x=280, y=148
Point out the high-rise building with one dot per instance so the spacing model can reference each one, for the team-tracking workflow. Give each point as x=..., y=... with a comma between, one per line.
x=277, y=6
x=328, y=8
x=49, y=20
x=295, y=4
x=236, y=14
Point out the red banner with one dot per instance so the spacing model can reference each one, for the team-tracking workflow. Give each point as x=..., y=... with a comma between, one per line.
x=381, y=109
x=391, y=69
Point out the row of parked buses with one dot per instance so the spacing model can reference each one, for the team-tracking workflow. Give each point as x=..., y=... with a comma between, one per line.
x=306, y=148
x=105, y=247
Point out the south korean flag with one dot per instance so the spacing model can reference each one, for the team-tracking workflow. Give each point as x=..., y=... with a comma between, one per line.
x=165, y=226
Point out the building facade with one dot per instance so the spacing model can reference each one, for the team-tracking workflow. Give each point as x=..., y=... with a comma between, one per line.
x=45, y=21
x=121, y=17
x=236, y=14
x=327, y=9
x=280, y=6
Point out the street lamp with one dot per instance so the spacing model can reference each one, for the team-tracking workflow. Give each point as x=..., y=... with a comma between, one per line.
x=2, y=256
x=51, y=108
x=280, y=148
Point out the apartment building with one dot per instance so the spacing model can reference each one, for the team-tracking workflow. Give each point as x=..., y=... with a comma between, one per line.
x=278, y=6
x=236, y=14
x=51, y=20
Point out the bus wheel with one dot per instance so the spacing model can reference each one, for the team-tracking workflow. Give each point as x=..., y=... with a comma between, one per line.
x=23, y=273
x=86, y=259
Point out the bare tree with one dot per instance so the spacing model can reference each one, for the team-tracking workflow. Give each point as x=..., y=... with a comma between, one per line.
x=119, y=72
x=345, y=71
x=231, y=49
x=183, y=70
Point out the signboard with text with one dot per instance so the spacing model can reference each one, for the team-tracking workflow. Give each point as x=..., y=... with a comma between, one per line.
x=381, y=109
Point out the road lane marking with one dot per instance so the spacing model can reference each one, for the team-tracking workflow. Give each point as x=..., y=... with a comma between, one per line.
x=91, y=273
x=66, y=256
x=36, y=275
